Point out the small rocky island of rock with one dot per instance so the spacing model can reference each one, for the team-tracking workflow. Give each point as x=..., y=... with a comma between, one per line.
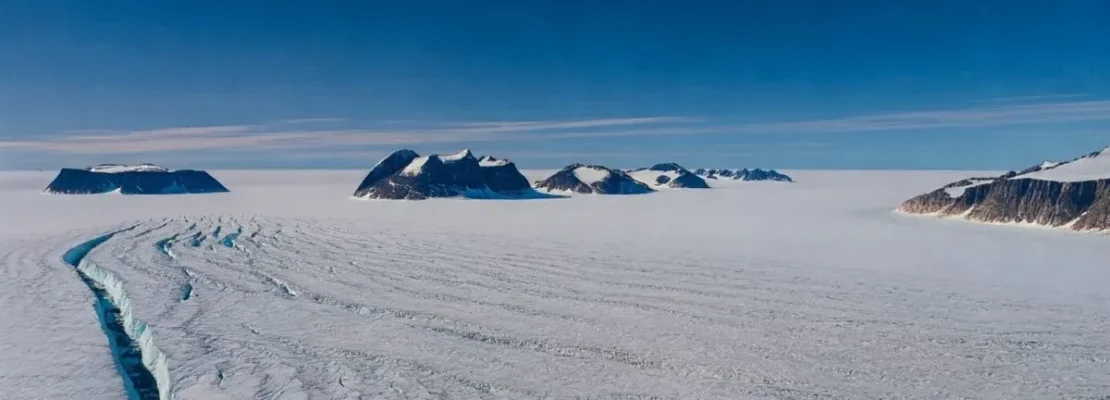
x=1073, y=194
x=743, y=174
x=133, y=179
x=669, y=175
x=580, y=178
x=405, y=175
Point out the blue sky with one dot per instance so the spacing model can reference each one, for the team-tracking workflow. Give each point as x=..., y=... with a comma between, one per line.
x=338, y=84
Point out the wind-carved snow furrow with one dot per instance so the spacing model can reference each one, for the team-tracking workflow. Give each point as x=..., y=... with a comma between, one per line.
x=554, y=348
x=289, y=291
x=143, y=366
x=216, y=233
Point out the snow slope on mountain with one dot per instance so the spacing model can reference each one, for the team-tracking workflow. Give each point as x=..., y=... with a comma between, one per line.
x=1095, y=166
x=956, y=191
x=287, y=289
x=415, y=166
x=117, y=168
x=652, y=177
x=590, y=175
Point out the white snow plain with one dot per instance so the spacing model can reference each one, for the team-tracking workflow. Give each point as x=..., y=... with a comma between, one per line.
x=287, y=289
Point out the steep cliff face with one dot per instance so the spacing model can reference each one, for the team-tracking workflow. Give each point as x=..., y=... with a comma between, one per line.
x=1074, y=194
x=133, y=180
x=405, y=175
x=579, y=178
x=385, y=168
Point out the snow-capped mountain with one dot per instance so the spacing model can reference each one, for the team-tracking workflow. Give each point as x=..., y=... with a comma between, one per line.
x=133, y=179
x=743, y=174
x=407, y=175
x=1075, y=194
x=669, y=175
x=579, y=178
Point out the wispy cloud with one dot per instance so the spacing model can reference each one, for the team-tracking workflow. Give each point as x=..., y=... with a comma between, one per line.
x=298, y=121
x=281, y=135
x=1003, y=115
x=1034, y=98
x=272, y=136
x=975, y=117
x=517, y=126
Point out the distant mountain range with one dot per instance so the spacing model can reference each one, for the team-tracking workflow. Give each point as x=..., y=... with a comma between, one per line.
x=133, y=180
x=405, y=175
x=1073, y=194
x=743, y=174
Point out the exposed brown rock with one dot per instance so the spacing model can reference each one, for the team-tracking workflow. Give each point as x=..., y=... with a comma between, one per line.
x=1013, y=198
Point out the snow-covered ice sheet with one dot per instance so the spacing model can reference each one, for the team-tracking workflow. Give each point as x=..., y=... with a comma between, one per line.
x=287, y=289
x=1090, y=168
x=117, y=168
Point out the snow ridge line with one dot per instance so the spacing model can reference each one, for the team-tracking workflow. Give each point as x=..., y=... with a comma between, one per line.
x=116, y=314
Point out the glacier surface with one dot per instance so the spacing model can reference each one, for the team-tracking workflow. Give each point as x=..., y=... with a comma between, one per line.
x=287, y=289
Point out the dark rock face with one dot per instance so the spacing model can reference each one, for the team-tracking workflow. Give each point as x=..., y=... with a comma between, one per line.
x=404, y=175
x=670, y=175
x=133, y=180
x=385, y=168
x=610, y=181
x=1017, y=198
x=744, y=174
x=667, y=167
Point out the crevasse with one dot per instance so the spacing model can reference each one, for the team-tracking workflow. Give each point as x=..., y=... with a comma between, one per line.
x=106, y=286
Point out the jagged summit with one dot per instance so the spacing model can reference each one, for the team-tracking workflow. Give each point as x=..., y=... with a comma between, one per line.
x=669, y=175
x=581, y=178
x=744, y=174
x=132, y=179
x=490, y=161
x=407, y=175
x=667, y=167
x=464, y=154
x=1075, y=194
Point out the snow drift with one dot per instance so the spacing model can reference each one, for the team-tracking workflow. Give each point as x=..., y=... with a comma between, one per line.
x=1073, y=194
x=138, y=179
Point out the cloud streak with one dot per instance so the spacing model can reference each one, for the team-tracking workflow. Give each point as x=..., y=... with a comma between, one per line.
x=272, y=136
x=282, y=135
x=1034, y=98
x=299, y=121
